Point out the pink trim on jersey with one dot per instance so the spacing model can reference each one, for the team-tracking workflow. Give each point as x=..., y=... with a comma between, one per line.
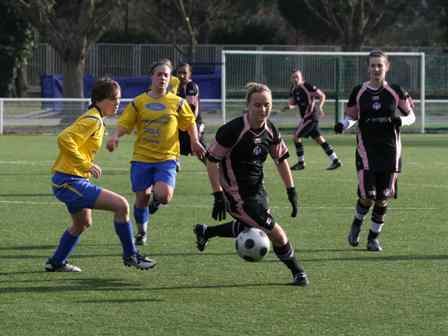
x=311, y=101
x=362, y=189
x=393, y=93
x=218, y=151
x=362, y=151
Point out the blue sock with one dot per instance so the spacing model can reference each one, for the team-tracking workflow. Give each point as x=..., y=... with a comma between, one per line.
x=66, y=245
x=124, y=232
x=141, y=216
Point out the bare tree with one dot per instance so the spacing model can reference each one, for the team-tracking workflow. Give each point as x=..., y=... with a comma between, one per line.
x=351, y=22
x=71, y=27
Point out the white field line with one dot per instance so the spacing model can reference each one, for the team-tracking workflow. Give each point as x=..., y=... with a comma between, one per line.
x=208, y=206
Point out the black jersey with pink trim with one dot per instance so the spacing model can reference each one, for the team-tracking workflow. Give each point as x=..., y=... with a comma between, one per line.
x=190, y=92
x=242, y=151
x=378, y=140
x=304, y=96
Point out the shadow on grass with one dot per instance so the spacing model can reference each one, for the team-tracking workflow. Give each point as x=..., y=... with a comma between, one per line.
x=96, y=284
x=28, y=195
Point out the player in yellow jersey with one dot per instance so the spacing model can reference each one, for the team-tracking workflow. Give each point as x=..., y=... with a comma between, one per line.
x=156, y=116
x=72, y=169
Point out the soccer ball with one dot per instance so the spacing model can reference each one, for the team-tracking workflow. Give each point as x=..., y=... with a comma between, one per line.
x=252, y=244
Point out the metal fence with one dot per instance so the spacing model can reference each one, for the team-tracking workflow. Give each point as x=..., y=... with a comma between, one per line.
x=135, y=60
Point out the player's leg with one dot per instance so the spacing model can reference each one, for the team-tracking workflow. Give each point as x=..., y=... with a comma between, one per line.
x=58, y=262
x=284, y=251
x=141, y=182
x=204, y=232
x=386, y=185
x=111, y=201
x=79, y=196
x=164, y=184
x=366, y=193
x=327, y=148
x=300, y=152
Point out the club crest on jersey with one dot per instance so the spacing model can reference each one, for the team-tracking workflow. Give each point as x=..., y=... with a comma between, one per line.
x=376, y=105
x=257, y=150
x=155, y=106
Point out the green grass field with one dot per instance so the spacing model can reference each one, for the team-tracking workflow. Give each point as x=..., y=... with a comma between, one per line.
x=400, y=291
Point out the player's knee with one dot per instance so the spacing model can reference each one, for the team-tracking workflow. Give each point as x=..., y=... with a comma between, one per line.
x=277, y=235
x=366, y=202
x=122, y=207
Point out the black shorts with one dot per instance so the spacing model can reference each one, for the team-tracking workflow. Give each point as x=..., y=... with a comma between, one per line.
x=377, y=186
x=185, y=144
x=252, y=211
x=308, y=128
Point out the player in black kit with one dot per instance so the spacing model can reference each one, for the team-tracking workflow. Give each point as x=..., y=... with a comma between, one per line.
x=374, y=105
x=304, y=96
x=189, y=90
x=235, y=169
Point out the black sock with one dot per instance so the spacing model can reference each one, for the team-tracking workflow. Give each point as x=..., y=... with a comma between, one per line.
x=228, y=230
x=327, y=148
x=286, y=255
x=299, y=149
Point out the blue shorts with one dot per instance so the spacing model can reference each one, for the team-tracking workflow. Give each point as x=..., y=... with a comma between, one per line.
x=144, y=175
x=76, y=192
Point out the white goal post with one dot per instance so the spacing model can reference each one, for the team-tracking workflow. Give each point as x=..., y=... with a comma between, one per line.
x=261, y=65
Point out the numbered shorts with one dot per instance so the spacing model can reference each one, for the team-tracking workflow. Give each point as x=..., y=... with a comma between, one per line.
x=377, y=186
x=144, y=175
x=76, y=192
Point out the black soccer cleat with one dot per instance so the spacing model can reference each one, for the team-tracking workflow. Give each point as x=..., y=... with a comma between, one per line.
x=298, y=166
x=374, y=245
x=153, y=206
x=138, y=261
x=300, y=279
x=353, y=236
x=201, y=238
x=50, y=266
x=335, y=165
x=141, y=238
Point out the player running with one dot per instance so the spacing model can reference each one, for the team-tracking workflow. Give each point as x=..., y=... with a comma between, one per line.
x=304, y=96
x=72, y=169
x=235, y=169
x=373, y=105
x=156, y=116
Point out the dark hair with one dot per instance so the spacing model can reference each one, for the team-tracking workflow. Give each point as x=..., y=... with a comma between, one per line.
x=187, y=65
x=253, y=87
x=104, y=88
x=163, y=61
x=377, y=53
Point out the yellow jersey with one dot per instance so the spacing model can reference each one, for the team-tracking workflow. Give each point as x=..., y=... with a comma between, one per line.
x=157, y=122
x=173, y=85
x=78, y=144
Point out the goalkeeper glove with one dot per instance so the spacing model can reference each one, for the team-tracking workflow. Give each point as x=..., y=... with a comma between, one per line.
x=220, y=206
x=293, y=199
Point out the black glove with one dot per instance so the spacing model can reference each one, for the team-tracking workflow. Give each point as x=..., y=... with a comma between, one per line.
x=396, y=121
x=220, y=206
x=339, y=127
x=294, y=200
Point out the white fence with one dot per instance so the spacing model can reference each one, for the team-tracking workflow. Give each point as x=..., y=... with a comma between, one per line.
x=49, y=115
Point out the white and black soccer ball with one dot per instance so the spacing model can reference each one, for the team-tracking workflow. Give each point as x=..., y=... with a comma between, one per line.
x=252, y=244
